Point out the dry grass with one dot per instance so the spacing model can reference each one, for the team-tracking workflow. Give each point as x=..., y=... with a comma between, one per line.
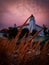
x=25, y=52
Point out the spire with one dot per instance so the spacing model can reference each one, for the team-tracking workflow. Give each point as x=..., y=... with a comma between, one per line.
x=32, y=23
x=32, y=17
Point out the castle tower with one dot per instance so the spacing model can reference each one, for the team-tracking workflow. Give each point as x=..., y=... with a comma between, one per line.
x=32, y=24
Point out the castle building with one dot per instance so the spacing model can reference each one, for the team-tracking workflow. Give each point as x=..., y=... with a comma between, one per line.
x=33, y=26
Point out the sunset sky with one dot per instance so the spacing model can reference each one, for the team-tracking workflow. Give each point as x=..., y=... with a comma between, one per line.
x=17, y=11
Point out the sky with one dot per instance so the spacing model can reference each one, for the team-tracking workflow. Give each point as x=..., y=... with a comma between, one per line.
x=17, y=11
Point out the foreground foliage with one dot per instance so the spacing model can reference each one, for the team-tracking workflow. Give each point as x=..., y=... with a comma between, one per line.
x=27, y=52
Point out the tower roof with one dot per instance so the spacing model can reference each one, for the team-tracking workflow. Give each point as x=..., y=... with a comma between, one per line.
x=32, y=15
x=32, y=18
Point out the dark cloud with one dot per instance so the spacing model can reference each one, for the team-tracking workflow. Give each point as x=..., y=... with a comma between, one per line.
x=44, y=3
x=35, y=1
x=41, y=3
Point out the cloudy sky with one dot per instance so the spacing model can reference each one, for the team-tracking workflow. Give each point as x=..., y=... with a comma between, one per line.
x=17, y=11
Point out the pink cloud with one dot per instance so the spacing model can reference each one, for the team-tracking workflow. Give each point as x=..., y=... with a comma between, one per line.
x=17, y=12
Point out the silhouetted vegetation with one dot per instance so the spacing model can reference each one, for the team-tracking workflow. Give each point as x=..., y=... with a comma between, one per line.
x=48, y=32
x=5, y=35
x=23, y=32
x=33, y=32
x=12, y=32
x=45, y=30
